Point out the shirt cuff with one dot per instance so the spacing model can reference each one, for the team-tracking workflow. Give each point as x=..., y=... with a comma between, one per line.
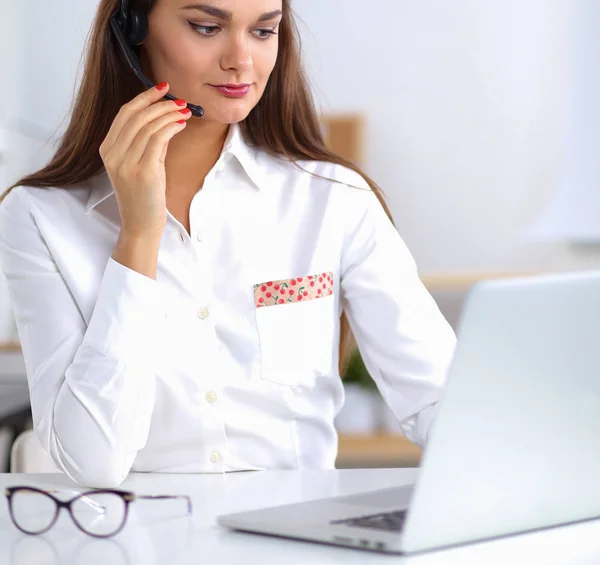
x=128, y=317
x=425, y=419
x=416, y=428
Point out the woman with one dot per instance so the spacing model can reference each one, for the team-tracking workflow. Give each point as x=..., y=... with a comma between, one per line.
x=179, y=282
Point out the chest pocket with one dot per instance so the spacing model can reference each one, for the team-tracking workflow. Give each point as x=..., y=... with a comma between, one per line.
x=296, y=334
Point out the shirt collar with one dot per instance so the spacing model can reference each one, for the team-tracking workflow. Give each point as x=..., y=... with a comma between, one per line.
x=235, y=145
x=247, y=155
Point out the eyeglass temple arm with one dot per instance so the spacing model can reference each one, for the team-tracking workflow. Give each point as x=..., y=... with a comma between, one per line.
x=167, y=497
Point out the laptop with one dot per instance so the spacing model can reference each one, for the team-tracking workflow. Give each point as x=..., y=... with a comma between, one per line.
x=515, y=445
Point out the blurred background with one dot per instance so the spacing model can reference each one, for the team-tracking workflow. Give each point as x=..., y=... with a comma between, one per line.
x=479, y=119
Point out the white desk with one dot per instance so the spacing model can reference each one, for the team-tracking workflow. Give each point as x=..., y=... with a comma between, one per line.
x=161, y=533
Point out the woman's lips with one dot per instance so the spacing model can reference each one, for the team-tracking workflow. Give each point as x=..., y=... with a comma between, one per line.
x=232, y=90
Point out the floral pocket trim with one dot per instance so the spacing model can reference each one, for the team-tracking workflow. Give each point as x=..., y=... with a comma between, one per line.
x=288, y=291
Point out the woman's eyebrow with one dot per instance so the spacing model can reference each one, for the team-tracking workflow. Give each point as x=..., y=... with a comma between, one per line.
x=270, y=15
x=226, y=15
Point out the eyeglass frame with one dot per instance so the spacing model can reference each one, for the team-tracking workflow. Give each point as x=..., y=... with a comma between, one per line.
x=127, y=496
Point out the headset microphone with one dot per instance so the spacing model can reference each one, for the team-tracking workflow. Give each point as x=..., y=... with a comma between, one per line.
x=130, y=28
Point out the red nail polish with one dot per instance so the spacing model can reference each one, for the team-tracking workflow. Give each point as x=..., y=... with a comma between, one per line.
x=181, y=121
x=161, y=86
x=185, y=111
x=180, y=102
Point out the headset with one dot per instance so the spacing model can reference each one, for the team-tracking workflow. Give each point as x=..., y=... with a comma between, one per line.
x=130, y=28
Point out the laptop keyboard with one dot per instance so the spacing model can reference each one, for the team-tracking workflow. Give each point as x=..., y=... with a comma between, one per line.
x=386, y=521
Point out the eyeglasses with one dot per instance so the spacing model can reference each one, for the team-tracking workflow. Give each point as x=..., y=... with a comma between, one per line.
x=98, y=513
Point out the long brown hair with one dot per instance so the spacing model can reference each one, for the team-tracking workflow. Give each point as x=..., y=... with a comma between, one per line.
x=287, y=105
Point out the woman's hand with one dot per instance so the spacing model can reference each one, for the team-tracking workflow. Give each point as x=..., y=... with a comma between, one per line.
x=134, y=152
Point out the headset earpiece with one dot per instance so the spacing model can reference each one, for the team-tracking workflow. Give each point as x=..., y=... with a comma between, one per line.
x=137, y=27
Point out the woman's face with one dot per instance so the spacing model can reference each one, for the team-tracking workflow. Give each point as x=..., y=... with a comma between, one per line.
x=199, y=46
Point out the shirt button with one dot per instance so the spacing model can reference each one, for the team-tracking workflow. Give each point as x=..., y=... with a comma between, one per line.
x=215, y=457
x=219, y=167
x=199, y=237
x=211, y=397
x=203, y=314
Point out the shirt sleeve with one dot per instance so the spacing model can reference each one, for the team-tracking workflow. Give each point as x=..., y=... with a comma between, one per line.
x=406, y=343
x=91, y=387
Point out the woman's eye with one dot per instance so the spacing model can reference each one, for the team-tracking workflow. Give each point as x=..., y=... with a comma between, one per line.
x=265, y=33
x=209, y=31
x=205, y=30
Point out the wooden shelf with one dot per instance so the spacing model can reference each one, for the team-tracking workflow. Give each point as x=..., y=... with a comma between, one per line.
x=451, y=281
x=377, y=450
x=344, y=135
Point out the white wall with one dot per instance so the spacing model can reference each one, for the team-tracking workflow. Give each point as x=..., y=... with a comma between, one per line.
x=40, y=49
x=574, y=212
x=465, y=102
x=51, y=53
x=10, y=55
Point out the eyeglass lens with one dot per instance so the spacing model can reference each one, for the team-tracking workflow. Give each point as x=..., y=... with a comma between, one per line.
x=99, y=514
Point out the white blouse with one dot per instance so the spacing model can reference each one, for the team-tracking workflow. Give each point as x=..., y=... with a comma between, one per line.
x=229, y=360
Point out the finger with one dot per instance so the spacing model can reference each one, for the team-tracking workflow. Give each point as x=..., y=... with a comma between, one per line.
x=141, y=120
x=139, y=144
x=158, y=144
x=138, y=103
